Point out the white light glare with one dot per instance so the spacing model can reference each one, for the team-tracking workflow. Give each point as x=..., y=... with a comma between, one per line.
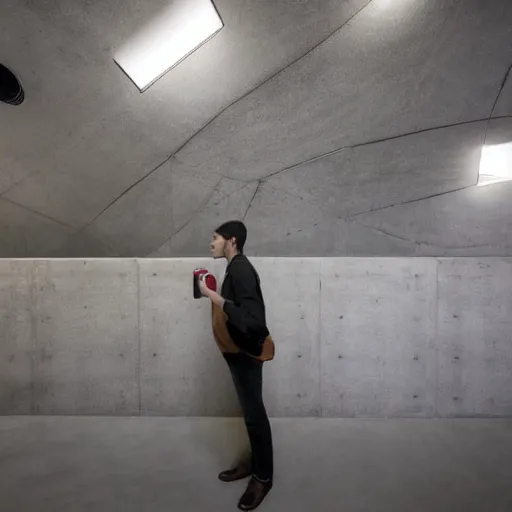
x=495, y=164
x=162, y=44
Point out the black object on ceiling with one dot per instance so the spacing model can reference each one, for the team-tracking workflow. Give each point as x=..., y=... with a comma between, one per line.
x=11, y=90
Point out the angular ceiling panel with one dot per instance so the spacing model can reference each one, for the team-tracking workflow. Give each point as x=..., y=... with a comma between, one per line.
x=275, y=215
x=153, y=210
x=323, y=239
x=499, y=131
x=25, y=234
x=396, y=68
x=80, y=245
x=391, y=172
x=86, y=128
x=477, y=217
x=333, y=238
x=86, y=177
x=229, y=201
x=391, y=108
x=13, y=171
x=471, y=218
x=363, y=241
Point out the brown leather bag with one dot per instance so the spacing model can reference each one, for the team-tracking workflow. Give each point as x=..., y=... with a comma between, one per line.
x=227, y=345
x=269, y=350
x=220, y=331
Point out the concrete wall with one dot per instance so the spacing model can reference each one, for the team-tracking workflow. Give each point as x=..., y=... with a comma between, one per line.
x=407, y=337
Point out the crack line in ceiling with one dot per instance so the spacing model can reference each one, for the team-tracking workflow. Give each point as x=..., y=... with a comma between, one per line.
x=344, y=148
x=192, y=217
x=500, y=90
x=188, y=140
x=252, y=200
x=421, y=242
x=378, y=141
x=35, y=212
x=386, y=233
x=225, y=196
x=260, y=180
x=410, y=201
x=502, y=86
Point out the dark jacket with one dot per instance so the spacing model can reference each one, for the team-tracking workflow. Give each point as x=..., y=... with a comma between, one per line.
x=244, y=305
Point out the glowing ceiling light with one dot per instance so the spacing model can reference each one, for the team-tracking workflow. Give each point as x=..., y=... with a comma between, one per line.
x=162, y=44
x=391, y=4
x=495, y=164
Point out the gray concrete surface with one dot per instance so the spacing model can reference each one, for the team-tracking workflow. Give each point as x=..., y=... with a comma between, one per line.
x=379, y=77
x=160, y=464
x=469, y=222
x=477, y=219
x=25, y=232
x=504, y=104
x=378, y=325
x=474, y=326
x=387, y=173
x=181, y=372
x=69, y=337
x=229, y=200
x=94, y=135
x=355, y=337
x=400, y=91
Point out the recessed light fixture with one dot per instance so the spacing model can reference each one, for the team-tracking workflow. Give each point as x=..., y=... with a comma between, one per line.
x=495, y=164
x=159, y=46
x=11, y=90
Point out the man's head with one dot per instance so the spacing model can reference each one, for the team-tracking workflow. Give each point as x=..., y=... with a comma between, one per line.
x=228, y=239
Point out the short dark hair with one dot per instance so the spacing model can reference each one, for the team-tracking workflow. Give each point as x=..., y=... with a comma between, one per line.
x=234, y=229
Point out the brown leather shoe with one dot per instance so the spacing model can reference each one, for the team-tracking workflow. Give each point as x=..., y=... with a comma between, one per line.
x=255, y=494
x=231, y=475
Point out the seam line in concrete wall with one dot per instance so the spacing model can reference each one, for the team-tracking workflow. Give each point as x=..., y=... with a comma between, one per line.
x=320, y=338
x=462, y=280
x=139, y=369
x=436, y=343
x=33, y=334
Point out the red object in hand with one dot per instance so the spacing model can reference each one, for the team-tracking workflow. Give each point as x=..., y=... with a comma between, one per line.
x=204, y=275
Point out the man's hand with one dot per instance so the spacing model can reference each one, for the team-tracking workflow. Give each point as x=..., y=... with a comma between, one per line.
x=213, y=296
x=205, y=291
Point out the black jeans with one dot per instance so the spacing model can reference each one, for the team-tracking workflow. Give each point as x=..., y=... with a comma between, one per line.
x=247, y=376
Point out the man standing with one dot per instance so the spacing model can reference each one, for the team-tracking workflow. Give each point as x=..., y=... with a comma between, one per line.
x=241, y=335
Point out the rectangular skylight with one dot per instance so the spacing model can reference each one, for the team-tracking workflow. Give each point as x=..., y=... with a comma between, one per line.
x=495, y=164
x=160, y=45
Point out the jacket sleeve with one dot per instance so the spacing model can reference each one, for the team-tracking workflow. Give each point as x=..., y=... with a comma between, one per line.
x=246, y=312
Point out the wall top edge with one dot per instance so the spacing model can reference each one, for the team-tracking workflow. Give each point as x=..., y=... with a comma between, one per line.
x=261, y=258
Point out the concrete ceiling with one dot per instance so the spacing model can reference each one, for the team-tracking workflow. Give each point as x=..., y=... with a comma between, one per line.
x=333, y=127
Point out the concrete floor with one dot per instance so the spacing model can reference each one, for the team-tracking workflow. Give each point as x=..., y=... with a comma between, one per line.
x=76, y=464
